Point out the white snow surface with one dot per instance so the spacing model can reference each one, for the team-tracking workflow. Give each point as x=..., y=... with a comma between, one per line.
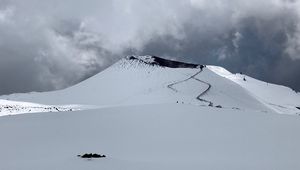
x=144, y=116
x=281, y=99
x=151, y=137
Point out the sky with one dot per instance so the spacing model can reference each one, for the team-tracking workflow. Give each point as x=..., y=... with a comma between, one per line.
x=52, y=44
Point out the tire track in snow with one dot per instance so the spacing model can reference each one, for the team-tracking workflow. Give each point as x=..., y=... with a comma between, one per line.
x=181, y=81
x=204, y=92
x=170, y=86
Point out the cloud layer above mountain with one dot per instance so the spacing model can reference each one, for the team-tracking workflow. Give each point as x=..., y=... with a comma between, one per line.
x=47, y=45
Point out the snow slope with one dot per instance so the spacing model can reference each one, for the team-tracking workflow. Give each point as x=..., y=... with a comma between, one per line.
x=118, y=84
x=148, y=80
x=151, y=137
x=279, y=98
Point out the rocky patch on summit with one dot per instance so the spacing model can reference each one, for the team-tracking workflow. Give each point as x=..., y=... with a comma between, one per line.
x=153, y=60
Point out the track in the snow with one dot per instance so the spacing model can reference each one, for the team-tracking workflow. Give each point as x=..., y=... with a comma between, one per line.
x=194, y=77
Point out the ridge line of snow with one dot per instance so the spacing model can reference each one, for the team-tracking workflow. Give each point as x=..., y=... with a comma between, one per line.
x=227, y=74
x=232, y=77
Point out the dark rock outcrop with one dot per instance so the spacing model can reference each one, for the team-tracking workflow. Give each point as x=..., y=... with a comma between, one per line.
x=91, y=155
x=166, y=63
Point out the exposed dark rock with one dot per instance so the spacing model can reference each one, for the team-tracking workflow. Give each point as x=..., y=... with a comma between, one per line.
x=219, y=106
x=166, y=63
x=91, y=155
x=298, y=108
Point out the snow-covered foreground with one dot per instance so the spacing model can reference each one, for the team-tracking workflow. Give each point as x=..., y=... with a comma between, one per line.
x=154, y=137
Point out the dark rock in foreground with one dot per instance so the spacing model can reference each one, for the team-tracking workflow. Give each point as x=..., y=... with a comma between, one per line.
x=91, y=155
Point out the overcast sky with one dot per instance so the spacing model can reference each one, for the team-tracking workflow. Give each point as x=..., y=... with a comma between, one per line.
x=52, y=44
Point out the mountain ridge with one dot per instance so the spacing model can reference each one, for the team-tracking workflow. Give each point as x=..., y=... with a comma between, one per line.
x=137, y=80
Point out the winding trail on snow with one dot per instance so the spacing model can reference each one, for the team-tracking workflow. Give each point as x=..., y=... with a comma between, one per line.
x=170, y=86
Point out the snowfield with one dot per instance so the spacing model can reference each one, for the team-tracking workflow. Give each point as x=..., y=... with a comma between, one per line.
x=280, y=99
x=146, y=112
x=154, y=137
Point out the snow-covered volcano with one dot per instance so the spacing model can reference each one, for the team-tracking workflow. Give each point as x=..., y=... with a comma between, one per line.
x=145, y=112
x=149, y=80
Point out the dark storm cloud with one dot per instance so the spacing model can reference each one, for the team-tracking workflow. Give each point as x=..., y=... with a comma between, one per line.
x=39, y=61
x=256, y=45
x=40, y=51
x=47, y=45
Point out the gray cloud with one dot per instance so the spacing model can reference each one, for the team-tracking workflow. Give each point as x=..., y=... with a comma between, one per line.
x=54, y=44
x=257, y=44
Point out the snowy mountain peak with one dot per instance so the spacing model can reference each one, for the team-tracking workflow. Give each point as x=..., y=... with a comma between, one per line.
x=157, y=61
x=136, y=80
